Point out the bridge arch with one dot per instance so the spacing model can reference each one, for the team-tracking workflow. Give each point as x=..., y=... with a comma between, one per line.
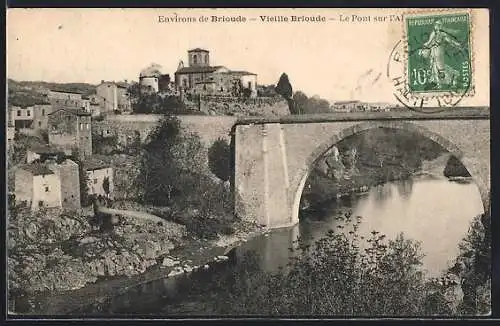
x=317, y=153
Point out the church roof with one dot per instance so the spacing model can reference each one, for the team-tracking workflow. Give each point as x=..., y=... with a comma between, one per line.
x=198, y=69
x=198, y=50
x=240, y=72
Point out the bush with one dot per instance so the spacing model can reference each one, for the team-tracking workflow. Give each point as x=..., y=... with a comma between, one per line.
x=455, y=168
x=219, y=159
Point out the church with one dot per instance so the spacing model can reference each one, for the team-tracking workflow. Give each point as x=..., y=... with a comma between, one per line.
x=199, y=77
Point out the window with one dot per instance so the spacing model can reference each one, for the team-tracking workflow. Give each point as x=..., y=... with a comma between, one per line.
x=39, y=123
x=81, y=126
x=40, y=203
x=195, y=59
x=206, y=58
x=88, y=126
x=43, y=112
x=47, y=189
x=95, y=180
x=250, y=85
x=18, y=113
x=28, y=113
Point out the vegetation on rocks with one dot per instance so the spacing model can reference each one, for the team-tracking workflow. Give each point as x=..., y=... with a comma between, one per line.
x=50, y=250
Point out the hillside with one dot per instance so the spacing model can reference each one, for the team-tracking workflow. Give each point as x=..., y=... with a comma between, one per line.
x=27, y=93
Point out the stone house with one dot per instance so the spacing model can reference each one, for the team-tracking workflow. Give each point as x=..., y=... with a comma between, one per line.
x=21, y=117
x=66, y=98
x=153, y=78
x=48, y=185
x=199, y=77
x=97, y=172
x=70, y=129
x=41, y=116
x=113, y=97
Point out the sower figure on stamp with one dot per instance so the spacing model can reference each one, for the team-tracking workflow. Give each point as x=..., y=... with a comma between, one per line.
x=434, y=49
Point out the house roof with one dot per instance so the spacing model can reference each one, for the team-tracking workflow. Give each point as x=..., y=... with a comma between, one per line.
x=198, y=50
x=76, y=111
x=37, y=169
x=65, y=91
x=43, y=149
x=118, y=84
x=193, y=70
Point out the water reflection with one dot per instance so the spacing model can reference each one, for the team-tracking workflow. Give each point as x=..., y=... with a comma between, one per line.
x=405, y=188
x=435, y=212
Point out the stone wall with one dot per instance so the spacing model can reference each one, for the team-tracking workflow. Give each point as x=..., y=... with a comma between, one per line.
x=239, y=107
x=125, y=128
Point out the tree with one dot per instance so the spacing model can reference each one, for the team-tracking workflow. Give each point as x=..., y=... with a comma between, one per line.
x=170, y=159
x=455, y=168
x=284, y=88
x=334, y=276
x=219, y=156
x=105, y=186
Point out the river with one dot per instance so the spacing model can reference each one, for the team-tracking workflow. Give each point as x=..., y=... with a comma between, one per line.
x=434, y=211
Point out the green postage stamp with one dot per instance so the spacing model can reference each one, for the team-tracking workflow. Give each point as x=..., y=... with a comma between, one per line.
x=439, y=56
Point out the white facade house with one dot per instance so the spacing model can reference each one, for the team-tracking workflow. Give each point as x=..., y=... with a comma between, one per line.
x=96, y=176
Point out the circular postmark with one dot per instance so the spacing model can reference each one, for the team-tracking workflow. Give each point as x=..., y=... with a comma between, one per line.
x=432, y=97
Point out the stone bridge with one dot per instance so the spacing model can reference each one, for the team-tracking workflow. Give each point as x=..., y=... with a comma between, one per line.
x=273, y=157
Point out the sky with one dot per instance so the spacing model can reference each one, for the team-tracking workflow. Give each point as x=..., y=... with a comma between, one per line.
x=335, y=59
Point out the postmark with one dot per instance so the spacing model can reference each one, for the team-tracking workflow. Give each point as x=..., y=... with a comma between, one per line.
x=431, y=67
x=439, y=53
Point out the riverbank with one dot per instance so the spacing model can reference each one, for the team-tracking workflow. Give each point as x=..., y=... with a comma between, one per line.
x=191, y=254
x=322, y=188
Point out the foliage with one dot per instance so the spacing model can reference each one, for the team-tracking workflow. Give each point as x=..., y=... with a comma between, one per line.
x=83, y=88
x=146, y=102
x=170, y=176
x=169, y=159
x=455, y=168
x=475, y=257
x=105, y=185
x=266, y=91
x=156, y=104
x=338, y=276
x=284, y=88
x=104, y=145
x=219, y=156
x=307, y=105
x=381, y=155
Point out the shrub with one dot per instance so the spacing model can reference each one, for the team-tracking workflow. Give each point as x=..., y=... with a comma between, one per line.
x=219, y=156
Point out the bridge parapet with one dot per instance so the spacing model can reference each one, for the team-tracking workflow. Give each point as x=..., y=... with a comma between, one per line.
x=462, y=113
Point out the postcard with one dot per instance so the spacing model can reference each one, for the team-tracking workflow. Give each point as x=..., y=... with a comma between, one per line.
x=175, y=163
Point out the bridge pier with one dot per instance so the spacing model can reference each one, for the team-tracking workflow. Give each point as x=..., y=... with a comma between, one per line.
x=262, y=177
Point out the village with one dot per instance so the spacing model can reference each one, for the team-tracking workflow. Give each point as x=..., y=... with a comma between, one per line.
x=75, y=152
x=67, y=121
